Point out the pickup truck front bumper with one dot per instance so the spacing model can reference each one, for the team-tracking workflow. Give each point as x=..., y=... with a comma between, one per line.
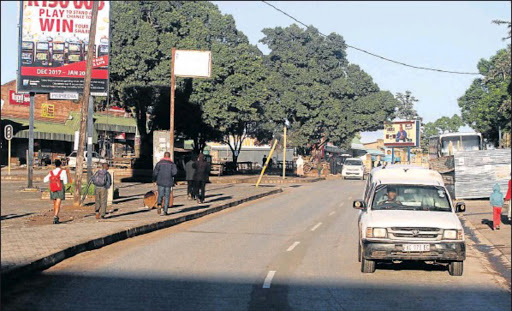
x=393, y=250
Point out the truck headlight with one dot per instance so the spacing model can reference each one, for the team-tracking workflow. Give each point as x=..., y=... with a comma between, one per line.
x=452, y=234
x=376, y=232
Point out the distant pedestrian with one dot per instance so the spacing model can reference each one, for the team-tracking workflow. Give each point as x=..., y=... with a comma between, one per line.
x=270, y=162
x=189, y=170
x=58, y=178
x=496, y=201
x=300, y=166
x=377, y=162
x=163, y=175
x=102, y=181
x=507, y=198
x=264, y=160
x=201, y=176
x=319, y=167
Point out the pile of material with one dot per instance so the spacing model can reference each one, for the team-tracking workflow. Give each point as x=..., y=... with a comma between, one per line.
x=477, y=171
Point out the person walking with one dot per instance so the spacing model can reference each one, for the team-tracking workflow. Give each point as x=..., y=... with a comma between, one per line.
x=377, y=162
x=507, y=199
x=496, y=201
x=264, y=160
x=319, y=167
x=201, y=176
x=58, y=178
x=189, y=170
x=102, y=181
x=300, y=166
x=163, y=175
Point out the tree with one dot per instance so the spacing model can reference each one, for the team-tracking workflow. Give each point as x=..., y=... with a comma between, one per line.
x=315, y=89
x=405, y=109
x=486, y=104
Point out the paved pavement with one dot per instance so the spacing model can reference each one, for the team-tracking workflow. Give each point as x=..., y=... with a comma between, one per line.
x=295, y=251
x=28, y=236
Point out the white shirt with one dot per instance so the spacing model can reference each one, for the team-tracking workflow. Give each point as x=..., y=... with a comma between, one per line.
x=63, y=175
x=300, y=161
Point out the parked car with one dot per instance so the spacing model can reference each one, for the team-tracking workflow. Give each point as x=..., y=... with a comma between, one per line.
x=353, y=167
x=407, y=214
x=71, y=159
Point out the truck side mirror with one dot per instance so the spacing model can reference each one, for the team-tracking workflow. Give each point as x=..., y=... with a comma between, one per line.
x=460, y=207
x=359, y=204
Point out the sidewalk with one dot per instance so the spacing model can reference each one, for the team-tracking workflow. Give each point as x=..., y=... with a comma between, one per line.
x=29, y=242
x=495, y=244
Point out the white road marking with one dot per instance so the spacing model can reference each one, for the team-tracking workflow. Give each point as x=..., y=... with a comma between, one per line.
x=293, y=246
x=332, y=213
x=316, y=226
x=268, y=279
x=350, y=198
x=342, y=203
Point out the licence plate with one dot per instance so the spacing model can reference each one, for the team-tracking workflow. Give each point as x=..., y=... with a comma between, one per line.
x=416, y=247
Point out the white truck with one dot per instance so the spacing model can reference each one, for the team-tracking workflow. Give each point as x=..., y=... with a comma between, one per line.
x=407, y=214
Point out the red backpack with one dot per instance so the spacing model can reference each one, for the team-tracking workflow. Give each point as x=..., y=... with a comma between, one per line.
x=55, y=183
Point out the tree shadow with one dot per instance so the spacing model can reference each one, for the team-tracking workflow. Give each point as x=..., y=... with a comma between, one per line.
x=13, y=216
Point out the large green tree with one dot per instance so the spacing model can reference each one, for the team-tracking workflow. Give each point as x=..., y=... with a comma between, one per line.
x=314, y=88
x=486, y=105
x=405, y=109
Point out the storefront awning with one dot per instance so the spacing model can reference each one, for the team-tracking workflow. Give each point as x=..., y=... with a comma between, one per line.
x=42, y=130
x=114, y=124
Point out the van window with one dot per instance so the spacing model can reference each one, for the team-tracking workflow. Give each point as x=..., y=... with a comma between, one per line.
x=353, y=162
x=411, y=197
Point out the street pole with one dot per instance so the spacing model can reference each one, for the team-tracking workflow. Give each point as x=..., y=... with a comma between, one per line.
x=84, y=109
x=284, y=154
x=409, y=155
x=89, y=137
x=392, y=155
x=9, y=160
x=173, y=82
x=30, y=155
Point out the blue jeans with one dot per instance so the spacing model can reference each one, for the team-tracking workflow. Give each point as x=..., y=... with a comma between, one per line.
x=164, y=192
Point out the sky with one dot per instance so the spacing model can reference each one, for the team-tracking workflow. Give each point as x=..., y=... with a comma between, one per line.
x=445, y=35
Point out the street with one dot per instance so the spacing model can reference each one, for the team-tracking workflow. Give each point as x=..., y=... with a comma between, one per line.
x=294, y=251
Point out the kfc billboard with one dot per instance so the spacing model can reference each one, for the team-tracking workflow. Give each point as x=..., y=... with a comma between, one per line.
x=53, y=44
x=402, y=134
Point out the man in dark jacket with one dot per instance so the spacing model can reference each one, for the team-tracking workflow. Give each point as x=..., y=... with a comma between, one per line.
x=163, y=175
x=189, y=170
x=201, y=176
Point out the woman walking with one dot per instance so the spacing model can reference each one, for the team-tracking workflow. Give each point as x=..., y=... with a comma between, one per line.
x=201, y=175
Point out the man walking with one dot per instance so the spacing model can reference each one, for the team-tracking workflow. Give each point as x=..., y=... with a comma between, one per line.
x=189, y=170
x=163, y=175
x=201, y=176
x=58, y=178
x=102, y=182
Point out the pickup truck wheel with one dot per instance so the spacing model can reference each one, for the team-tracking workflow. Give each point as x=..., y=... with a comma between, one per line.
x=456, y=268
x=367, y=266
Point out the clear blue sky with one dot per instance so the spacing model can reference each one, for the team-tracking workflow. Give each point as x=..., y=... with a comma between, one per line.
x=445, y=35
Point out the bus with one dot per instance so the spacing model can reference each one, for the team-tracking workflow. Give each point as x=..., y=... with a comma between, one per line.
x=446, y=144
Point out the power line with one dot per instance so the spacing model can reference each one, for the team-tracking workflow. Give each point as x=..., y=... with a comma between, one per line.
x=372, y=54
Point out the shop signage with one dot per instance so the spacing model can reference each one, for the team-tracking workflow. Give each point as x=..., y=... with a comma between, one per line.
x=19, y=99
x=65, y=96
x=53, y=46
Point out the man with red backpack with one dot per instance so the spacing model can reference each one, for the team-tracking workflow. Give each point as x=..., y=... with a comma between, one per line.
x=57, y=178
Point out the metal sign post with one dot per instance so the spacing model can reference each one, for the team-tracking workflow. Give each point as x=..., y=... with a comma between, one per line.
x=30, y=155
x=8, y=136
x=284, y=154
x=173, y=82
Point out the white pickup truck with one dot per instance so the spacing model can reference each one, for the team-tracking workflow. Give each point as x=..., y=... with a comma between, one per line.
x=407, y=214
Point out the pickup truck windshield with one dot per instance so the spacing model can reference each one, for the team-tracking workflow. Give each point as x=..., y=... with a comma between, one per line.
x=411, y=197
x=353, y=162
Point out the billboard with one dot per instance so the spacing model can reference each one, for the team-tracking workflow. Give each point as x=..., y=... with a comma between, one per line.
x=193, y=64
x=402, y=133
x=53, y=44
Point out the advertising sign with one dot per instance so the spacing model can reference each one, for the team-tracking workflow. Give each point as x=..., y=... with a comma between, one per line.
x=193, y=64
x=67, y=96
x=53, y=46
x=402, y=134
x=19, y=99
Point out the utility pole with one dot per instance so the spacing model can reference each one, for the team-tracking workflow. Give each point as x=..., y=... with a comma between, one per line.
x=173, y=83
x=30, y=153
x=284, y=154
x=84, y=109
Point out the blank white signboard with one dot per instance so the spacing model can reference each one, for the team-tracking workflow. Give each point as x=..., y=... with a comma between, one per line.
x=193, y=64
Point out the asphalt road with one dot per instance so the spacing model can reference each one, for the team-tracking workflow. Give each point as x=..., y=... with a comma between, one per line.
x=294, y=251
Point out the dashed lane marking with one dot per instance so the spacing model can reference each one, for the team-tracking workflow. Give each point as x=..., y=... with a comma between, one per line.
x=316, y=226
x=293, y=246
x=268, y=279
x=332, y=213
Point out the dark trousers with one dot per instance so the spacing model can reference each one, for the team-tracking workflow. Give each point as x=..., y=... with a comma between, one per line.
x=199, y=189
x=164, y=194
x=101, y=200
x=190, y=188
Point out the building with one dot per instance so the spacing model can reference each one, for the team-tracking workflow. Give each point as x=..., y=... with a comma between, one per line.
x=56, y=123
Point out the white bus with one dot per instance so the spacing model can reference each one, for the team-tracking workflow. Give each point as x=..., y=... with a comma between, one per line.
x=446, y=144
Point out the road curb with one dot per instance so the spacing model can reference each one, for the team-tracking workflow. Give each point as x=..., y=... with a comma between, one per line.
x=16, y=274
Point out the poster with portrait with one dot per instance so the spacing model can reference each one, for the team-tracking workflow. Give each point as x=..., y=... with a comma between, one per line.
x=402, y=134
x=53, y=46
